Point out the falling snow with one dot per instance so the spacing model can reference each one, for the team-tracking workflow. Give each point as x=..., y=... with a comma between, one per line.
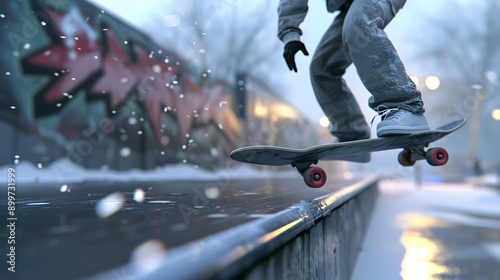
x=148, y=256
x=64, y=188
x=139, y=195
x=212, y=193
x=132, y=121
x=125, y=152
x=110, y=204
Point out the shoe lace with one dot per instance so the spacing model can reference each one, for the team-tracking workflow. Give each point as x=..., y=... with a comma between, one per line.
x=384, y=112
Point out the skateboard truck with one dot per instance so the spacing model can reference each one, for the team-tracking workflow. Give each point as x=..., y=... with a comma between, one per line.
x=434, y=156
x=314, y=176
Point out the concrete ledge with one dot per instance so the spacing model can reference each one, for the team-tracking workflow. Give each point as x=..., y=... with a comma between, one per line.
x=312, y=240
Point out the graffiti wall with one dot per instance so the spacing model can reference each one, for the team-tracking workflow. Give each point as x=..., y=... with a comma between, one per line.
x=77, y=83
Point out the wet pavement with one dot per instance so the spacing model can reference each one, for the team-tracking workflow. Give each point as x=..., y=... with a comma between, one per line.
x=441, y=231
x=80, y=230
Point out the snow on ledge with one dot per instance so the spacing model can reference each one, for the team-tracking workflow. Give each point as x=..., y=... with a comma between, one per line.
x=64, y=171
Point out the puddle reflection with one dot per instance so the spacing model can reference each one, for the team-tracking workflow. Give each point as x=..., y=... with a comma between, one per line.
x=423, y=259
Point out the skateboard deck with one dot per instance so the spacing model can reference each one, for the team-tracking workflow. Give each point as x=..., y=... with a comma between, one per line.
x=413, y=146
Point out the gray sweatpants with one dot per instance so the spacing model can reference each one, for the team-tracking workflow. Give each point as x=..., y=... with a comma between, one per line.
x=357, y=36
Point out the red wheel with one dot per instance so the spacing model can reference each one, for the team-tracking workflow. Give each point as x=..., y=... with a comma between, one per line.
x=436, y=156
x=315, y=177
x=404, y=158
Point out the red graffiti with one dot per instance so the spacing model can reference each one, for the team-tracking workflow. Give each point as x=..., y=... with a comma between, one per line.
x=117, y=80
x=115, y=70
x=70, y=62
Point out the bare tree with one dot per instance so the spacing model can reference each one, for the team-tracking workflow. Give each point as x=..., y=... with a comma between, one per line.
x=464, y=45
x=464, y=48
x=222, y=37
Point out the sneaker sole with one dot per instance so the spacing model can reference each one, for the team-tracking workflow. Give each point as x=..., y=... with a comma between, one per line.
x=398, y=130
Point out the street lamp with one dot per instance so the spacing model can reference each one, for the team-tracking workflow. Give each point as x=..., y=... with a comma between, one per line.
x=474, y=125
x=415, y=80
x=432, y=82
x=324, y=122
x=495, y=114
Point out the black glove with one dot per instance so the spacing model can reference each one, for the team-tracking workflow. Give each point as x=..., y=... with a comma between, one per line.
x=291, y=48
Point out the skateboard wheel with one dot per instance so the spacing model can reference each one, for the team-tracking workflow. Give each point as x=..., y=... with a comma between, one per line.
x=404, y=158
x=315, y=177
x=436, y=156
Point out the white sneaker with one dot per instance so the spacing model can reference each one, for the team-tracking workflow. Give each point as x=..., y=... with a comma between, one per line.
x=399, y=121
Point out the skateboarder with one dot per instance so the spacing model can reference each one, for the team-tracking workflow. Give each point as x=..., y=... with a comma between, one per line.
x=356, y=36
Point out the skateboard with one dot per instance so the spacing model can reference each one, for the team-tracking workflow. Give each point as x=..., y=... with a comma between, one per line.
x=304, y=160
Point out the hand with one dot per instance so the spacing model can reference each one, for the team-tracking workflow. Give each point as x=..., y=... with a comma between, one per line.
x=291, y=48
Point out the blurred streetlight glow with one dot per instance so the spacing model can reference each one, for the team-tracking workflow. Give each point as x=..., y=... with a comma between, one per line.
x=495, y=114
x=415, y=80
x=432, y=82
x=324, y=122
x=491, y=77
x=260, y=111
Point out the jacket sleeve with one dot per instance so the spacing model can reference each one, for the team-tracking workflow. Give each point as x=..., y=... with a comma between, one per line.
x=291, y=13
